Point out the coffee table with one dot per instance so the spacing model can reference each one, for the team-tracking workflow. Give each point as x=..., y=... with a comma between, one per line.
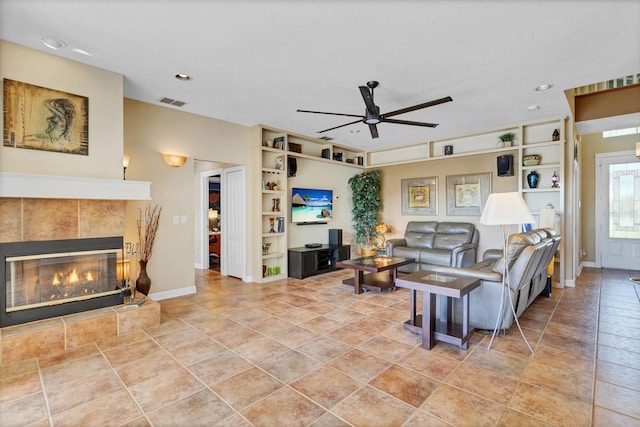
x=382, y=272
x=445, y=329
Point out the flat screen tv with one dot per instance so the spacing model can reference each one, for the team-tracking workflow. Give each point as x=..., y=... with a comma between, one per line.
x=311, y=206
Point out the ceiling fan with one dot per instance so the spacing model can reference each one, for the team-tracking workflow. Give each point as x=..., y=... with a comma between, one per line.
x=372, y=114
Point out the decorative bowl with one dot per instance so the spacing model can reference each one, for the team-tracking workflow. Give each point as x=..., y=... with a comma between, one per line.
x=531, y=160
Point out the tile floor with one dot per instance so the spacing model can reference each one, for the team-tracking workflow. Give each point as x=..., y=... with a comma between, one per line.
x=310, y=352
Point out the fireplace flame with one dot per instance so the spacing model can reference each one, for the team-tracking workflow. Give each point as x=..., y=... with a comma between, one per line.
x=73, y=277
x=89, y=277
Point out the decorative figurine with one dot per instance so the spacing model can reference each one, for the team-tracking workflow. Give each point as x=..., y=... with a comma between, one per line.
x=276, y=205
x=271, y=223
x=265, y=248
x=554, y=179
x=556, y=135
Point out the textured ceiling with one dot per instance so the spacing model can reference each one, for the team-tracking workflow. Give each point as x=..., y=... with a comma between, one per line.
x=258, y=61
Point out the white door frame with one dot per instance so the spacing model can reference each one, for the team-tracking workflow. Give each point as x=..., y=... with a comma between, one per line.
x=602, y=205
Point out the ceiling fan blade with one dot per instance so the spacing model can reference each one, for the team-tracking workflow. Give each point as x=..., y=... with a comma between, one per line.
x=336, y=127
x=407, y=122
x=368, y=99
x=374, y=131
x=331, y=114
x=419, y=106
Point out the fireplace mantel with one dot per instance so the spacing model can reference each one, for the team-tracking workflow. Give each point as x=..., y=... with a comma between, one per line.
x=66, y=187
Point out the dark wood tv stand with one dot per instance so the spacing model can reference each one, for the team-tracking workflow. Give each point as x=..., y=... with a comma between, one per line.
x=305, y=262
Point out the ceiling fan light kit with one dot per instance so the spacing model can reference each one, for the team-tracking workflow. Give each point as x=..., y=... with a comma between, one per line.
x=372, y=116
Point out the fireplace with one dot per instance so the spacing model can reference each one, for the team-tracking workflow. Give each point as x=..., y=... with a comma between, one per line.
x=53, y=278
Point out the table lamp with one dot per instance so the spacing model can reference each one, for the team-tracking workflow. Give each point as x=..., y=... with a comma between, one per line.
x=382, y=229
x=506, y=209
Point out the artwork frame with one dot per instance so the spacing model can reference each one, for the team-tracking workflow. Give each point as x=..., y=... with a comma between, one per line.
x=420, y=196
x=467, y=194
x=41, y=118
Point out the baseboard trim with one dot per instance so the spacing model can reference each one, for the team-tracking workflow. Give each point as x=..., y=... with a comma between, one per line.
x=159, y=296
x=589, y=264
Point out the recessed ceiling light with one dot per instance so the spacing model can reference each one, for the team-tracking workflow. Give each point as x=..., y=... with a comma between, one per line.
x=544, y=87
x=533, y=107
x=81, y=52
x=53, y=43
x=183, y=77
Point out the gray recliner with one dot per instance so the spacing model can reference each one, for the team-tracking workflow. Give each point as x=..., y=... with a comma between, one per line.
x=433, y=243
x=527, y=254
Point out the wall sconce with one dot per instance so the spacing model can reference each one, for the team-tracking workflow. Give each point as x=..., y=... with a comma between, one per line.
x=125, y=165
x=174, y=160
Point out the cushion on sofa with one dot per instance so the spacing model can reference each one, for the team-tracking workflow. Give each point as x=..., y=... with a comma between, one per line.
x=435, y=256
x=517, y=242
x=450, y=235
x=420, y=234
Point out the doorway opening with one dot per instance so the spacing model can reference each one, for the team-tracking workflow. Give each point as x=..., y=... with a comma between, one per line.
x=215, y=223
x=220, y=212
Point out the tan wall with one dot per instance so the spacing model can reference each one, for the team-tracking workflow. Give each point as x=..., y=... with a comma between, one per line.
x=590, y=145
x=314, y=174
x=490, y=237
x=151, y=130
x=608, y=103
x=104, y=90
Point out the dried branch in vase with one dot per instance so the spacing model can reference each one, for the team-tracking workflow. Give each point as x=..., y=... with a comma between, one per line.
x=147, y=229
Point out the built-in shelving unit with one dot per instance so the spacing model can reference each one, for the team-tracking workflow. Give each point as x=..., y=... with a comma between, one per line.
x=275, y=147
x=530, y=138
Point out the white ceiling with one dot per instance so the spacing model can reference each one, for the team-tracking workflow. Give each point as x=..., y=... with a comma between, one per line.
x=258, y=61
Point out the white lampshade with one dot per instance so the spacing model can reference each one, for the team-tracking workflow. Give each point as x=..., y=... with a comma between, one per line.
x=506, y=208
x=638, y=150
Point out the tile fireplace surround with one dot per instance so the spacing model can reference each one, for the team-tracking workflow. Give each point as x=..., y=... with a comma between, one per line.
x=38, y=207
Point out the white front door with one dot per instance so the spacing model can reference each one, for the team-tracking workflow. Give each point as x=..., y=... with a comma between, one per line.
x=233, y=222
x=618, y=210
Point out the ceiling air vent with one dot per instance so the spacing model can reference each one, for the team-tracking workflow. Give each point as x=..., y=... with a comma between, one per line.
x=172, y=102
x=326, y=138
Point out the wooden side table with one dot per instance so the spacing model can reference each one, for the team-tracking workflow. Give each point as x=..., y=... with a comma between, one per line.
x=449, y=287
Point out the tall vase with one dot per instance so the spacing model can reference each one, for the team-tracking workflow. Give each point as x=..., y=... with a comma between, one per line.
x=532, y=179
x=143, y=282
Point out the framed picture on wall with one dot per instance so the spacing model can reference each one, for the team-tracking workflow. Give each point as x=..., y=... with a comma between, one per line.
x=39, y=118
x=467, y=194
x=420, y=196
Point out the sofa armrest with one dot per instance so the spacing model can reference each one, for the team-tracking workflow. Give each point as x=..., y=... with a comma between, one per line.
x=393, y=243
x=487, y=275
x=464, y=255
x=492, y=254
